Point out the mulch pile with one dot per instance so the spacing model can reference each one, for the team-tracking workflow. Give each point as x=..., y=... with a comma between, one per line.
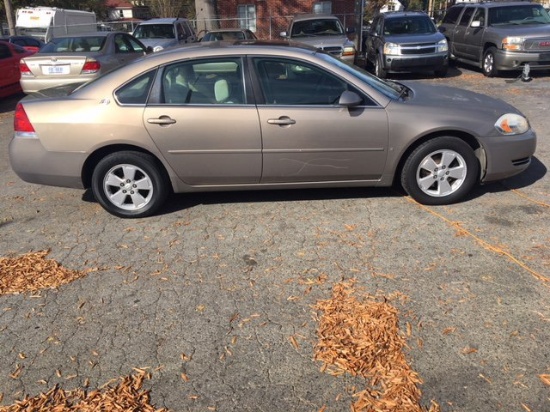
x=127, y=396
x=32, y=272
x=361, y=336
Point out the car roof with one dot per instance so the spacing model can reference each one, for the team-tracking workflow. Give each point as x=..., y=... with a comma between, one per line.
x=392, y=14
x=90, y=34
x=225, y=30
x=314, y=16
x=165, y=20
x=490, y=4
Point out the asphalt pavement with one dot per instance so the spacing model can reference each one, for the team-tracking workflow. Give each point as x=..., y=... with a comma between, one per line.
x=214, y=296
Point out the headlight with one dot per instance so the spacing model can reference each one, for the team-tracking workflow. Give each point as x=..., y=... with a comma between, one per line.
x=391, y=48
x=158, y=48
x=349, y=51
x=511, y=124
x=513, y=43
x=442, y=46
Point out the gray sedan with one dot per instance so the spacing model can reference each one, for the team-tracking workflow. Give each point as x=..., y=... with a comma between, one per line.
x=78, y=59
x=262, y=116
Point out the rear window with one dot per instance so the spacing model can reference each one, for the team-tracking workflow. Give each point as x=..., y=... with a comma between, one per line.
x=74, y=44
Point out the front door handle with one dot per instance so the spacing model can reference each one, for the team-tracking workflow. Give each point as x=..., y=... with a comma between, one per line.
x=162, y=120
x=282, y=121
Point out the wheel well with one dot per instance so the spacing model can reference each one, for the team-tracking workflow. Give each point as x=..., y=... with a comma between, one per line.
x=472, y=142
x=95, y=157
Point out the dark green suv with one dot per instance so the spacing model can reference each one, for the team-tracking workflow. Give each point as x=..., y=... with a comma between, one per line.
x=498, y=36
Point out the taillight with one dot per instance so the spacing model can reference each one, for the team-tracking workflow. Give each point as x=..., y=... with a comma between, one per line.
x=21, y=122
x=24, y=69
x=91, y=67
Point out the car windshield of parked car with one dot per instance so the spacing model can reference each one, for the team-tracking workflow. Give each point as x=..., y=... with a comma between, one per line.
x=313, y=28
x=155, y=31
x=409, y=25
x=74, y=44
x=524, y=14
x=390, y=89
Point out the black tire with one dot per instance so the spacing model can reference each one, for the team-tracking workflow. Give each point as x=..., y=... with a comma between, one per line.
x=488, y=63
x=440, y=171
x=129, y=184
x=379, y=67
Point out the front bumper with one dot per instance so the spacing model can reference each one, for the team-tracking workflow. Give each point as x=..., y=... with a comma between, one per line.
x=505, y=60
x=399, y=63
x=508, y=155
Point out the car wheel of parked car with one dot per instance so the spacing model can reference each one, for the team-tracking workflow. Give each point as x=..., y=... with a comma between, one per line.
x=379, y=68
x=129, y=184
x=488, y=65
x=440, y=171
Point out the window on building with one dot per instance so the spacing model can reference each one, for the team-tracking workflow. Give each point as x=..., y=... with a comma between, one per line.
x=322, y=7
x=247, y=16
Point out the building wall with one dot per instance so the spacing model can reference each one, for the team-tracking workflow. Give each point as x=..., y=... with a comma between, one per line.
x=272, y=16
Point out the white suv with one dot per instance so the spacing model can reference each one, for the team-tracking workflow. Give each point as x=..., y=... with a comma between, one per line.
x=161, y=34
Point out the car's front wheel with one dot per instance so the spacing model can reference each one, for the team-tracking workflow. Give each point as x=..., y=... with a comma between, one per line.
x=129, y=184
x=488, y=64
x=440, y=171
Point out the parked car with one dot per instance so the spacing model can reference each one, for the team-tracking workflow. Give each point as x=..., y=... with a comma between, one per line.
x=498, y=36
x=324, y=32
x=164, y=33
x=27, y=42
x=228, y=35
x=78, y=59
x=306, y=119
x=406, y=42
x=10, y=55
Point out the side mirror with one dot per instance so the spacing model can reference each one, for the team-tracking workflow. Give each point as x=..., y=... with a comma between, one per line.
x=283, y=34
x=350, y=99
x=350, y=30
x=475, y=24
x=442, y=29
x=148, y=50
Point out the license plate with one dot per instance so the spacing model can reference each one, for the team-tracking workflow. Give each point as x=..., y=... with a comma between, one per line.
x=53, y=70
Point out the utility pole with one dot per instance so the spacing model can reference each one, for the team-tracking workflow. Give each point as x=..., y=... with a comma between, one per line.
x=9, y=17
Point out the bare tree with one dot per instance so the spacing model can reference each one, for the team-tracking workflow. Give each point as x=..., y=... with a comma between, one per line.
x=171, y=8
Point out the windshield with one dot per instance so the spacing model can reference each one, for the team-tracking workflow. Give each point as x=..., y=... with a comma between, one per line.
x=74, y=44
x=409, y=25
x=390, y=89
x=155, y=31
x=524, y=14
x=314, y=28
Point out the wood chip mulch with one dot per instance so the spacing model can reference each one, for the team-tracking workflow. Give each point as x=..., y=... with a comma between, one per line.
x=127, y=396
x=32, y=272
x=360, y=336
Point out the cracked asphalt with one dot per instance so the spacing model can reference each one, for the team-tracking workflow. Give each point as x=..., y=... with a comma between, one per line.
x=214, y=295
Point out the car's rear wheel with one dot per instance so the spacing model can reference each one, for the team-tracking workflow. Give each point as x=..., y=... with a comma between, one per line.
x=379, y=67
x=440, y=171
x=488, y=64
x=129, y=184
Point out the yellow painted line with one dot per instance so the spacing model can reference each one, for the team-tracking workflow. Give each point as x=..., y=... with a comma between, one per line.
x=521, y=194
x=483, y=243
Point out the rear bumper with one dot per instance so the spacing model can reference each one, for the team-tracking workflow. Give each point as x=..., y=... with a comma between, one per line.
x=400, y=63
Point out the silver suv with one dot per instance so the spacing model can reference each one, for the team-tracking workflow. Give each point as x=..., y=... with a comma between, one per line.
x=323, y=31
x=161, y=34
x=498, y=36
x=406, y=42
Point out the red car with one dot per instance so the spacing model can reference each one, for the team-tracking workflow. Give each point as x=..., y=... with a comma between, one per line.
x=10, y=55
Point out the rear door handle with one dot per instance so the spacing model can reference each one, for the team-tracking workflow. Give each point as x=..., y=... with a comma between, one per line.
x=282, y=121
x=162, y=120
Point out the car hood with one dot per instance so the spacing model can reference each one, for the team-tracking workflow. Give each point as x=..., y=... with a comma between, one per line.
x=528, y=30
x=414, y=38
x=322, y=41
x=165, y=43
x=446, y=98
